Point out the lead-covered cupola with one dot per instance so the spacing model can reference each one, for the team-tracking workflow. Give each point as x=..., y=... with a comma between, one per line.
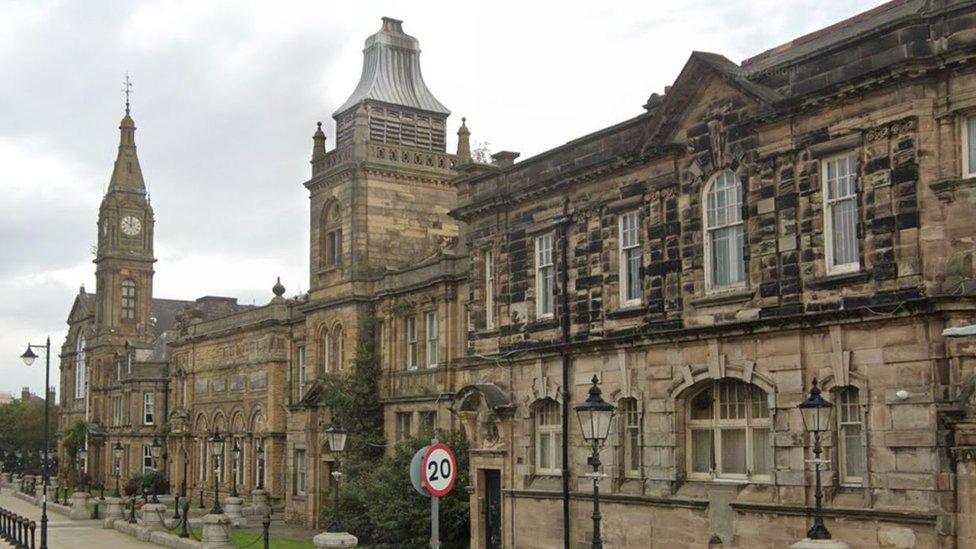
x=392, y=104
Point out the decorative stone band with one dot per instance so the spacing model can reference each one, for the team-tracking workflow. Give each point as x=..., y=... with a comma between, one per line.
x=964, y=453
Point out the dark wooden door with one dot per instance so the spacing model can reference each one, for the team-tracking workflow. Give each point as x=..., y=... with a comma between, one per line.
x=493, y=509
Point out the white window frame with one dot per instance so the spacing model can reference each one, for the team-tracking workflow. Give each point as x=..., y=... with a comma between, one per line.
x=548, y=425
x=710, y=229
x=301, y=472
x=404, y=423
x=628, y=239
x=749, y=423
x=431, y=326
x=117, y=411
x=845, y=407
x=831, y=203
x=965, y=157
x=334, y=349
x=411, y=333
x=129, y=295
x=260, y=463
x=81, y=367
x=545, y=272
x=302, y=359
x=202, y=459
x=489, y=289
x=631, y=423
x=147, y=459
x=149, y=408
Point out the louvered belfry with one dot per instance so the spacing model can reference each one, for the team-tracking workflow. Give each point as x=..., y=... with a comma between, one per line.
x=392, y=95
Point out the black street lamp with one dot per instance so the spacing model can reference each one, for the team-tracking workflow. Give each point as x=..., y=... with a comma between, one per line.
x=155, y=449
x=29, y=357
x=236, y=456
x=217, y=449
x=816, y=413
x=118, y=451
x=259, y=452
x=595, y=416
x=336, y=436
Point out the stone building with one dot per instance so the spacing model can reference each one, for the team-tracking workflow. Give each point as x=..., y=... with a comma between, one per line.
x=805, y=214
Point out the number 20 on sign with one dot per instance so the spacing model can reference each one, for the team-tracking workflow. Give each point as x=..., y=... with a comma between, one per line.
x=439, y=468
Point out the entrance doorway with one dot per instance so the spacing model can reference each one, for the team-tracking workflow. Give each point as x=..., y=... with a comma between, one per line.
x=493, y=509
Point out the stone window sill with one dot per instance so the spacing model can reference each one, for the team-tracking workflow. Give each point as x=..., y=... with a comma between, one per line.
x=629, y=311
x=724, y=298
x=329, y=269
x=839, y=279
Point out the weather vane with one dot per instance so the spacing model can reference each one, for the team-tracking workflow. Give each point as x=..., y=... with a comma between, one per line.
x=127, y=90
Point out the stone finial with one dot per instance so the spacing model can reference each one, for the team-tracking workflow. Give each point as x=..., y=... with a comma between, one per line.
x=81, y=290
x=278, y=289
x=318, y=144
x=504, y=159
x=464, y=143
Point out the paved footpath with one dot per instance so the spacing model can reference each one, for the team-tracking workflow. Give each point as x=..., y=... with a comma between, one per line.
x=70, y=534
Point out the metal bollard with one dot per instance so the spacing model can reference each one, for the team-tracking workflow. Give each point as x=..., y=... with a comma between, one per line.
x=185, y=532
x=101, y=493
x=201, y=498
x=176, y=513
x=95, y=511
x=32, y=526
x=22, y=531
x=132, y=511
x=267, y=531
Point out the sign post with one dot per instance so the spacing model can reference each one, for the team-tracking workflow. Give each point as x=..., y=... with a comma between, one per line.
x=435, y=467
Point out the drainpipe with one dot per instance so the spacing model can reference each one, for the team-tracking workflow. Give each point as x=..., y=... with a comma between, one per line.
x=564, y=318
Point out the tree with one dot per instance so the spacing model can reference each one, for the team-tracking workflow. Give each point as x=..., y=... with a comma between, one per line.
x=22, y=429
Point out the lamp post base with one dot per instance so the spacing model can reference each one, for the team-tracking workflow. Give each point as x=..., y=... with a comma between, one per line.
x=232, y=508
x=216, y=532
x=820, y=544
x=333, y=540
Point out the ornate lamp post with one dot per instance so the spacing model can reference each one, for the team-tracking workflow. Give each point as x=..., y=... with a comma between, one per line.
x=82, y=462
x=817, y=412
x=259, y=453
x=236, y=456
x=156, y=450
x=28, y=358
x=595, y=417
x=217, y=449
x=336, y=436
x=117, y=452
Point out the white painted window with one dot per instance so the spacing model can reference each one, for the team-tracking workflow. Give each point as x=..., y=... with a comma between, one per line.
x=630, y=259
x=724, y=233
x=403, y=421
x=839, y=176
x=237, y=463
x=431, y=339
x=202, y=459
x=631, y=436
x=969, y=146
x=128, y=300
x=331, y=235
x=729, y=432
x=300, y=472
x=81, y=367
x=489, y=289
x=259, y=474
x=544, y=275
x=412, y=343
x=334, y=349
x=116, y=411
x=302, y=370
x=850, y=427
x=147, y=459
x=149, y=409
x=548, y=438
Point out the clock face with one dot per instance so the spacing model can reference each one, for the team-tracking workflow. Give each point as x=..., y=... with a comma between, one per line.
x=131, y=225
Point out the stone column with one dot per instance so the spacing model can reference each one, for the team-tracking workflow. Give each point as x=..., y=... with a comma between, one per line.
x=153, y=515
x=216, y=532
x=79, y=506
x=259, y=503
x=232, y=507
x=113, y=513
x=334, y=539
x=965, y=457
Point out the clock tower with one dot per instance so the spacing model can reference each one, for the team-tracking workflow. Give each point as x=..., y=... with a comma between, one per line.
x=124, y=259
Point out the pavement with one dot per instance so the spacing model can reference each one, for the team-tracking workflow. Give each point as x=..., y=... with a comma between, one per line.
x=70, y=534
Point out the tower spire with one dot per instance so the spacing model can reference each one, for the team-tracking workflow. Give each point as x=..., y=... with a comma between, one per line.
x=464, y=143
x=127, y=174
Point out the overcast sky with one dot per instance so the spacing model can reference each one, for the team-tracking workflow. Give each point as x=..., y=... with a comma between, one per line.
x=226, y=99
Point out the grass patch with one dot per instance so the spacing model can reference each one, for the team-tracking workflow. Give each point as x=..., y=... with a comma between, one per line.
x=240, y=539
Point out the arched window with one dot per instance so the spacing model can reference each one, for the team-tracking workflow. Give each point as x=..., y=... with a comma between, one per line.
x=334, y=350
x=729, y=431
x=331, y=231
x=850, y=431
x=724, y=232
x=81, y=369
x=128, y=300
x=548, y=438
x=630, y=421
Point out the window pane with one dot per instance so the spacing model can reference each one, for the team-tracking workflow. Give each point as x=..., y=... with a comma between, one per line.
x=702, y=448
x=761, y=452
x=853, y=451
x=633, y=273
x=701, y=405
x=557, y=458
x=544, y=451
x=971, y=142
x=633, y=436
x=844, y=226
x=733, y=451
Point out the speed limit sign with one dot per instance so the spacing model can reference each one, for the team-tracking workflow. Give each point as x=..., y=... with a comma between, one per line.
x=439, y=468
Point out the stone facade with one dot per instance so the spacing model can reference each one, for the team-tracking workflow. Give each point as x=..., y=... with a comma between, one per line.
x=806, y=214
